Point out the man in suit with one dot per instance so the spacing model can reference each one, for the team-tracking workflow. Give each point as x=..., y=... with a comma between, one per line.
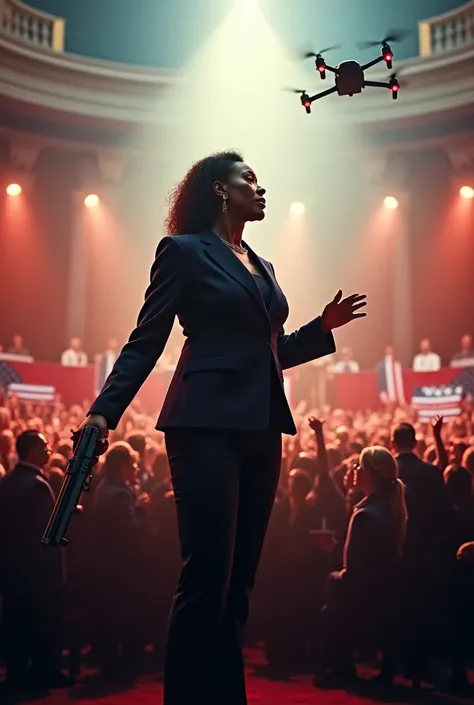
x=30, y=573
x=425, y=546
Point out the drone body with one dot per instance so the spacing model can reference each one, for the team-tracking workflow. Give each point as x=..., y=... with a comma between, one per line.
x=349, y=76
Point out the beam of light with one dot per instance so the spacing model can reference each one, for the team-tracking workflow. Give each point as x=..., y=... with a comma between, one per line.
x=231, y=95
x=466, y=192
x=297, y=208
x=91, y=201
x=390, y=203
x=13, y=190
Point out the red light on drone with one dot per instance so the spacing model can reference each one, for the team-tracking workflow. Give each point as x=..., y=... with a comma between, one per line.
x=307, y=104
x=321, y=68
x=388, y=57
x=395, y=89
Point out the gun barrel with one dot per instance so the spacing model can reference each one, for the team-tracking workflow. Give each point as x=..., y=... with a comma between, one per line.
x=73, y=484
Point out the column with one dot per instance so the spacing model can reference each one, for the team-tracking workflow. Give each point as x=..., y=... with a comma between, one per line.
x=76, y=317
x=402, y=286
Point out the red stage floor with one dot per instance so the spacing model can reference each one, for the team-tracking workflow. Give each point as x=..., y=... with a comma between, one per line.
x=91, y=689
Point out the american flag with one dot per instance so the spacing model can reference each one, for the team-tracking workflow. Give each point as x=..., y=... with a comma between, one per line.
x=430, y=401
x=31, y=392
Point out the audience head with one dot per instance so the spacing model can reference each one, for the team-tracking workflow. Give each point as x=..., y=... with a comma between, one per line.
x=58, y=461
x=112, y=345
x=32, y=447
x=468, y=461
x=425, y=346
x=5, y=418
x=389, y=351
x=466, y=342
x=346, y=354
x=76, y=344
x=121, y=462
x=379, y=475
x=404, y=438
x=299, y=484
x=458, y=484
x=456, y=451
x=6, y=442
x=342, y=435
x=65, y=448
x=18, y=342
x=138, y=442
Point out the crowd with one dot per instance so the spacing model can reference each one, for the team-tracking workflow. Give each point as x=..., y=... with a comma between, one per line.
x=369, y=549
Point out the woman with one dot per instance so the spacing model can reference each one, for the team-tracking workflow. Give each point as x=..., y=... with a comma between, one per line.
x=361, y=595
x=224, y=412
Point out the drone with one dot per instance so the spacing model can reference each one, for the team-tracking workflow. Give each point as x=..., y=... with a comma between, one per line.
x=349, y=75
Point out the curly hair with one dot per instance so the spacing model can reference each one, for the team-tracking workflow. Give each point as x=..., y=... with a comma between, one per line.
x=193, y=203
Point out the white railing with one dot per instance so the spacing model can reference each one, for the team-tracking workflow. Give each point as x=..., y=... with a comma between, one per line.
x=32, y=26
x=445, y=32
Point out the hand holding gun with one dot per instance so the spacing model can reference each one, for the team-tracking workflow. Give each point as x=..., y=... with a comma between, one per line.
x=89, y=443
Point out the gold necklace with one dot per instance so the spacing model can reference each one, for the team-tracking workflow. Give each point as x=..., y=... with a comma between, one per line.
x=237, y=248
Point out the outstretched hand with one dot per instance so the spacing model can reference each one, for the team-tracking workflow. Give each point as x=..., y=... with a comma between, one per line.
x=340, y=311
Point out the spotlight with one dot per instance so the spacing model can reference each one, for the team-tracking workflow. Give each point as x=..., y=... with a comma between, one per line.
x=14, y=189
x=91, y=201
x=466, y=192
x=390, y=203
x=297, y=208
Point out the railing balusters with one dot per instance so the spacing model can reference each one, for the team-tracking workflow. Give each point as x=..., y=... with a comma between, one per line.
x=32, y=26
x=447, y=32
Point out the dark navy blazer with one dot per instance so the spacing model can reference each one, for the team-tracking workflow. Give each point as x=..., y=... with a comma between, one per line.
x=229, y=374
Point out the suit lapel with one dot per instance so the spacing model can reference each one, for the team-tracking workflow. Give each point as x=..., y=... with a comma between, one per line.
x=225, y=258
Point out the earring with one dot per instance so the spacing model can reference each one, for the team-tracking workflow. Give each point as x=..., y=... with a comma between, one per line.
x=224, y=204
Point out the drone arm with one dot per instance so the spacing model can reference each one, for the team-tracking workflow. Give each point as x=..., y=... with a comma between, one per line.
x=323, y=94
x=330, y=68
x=372, y=63
x=377, y=84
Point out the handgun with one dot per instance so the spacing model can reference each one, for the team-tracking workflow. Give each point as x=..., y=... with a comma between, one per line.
x=77, y=480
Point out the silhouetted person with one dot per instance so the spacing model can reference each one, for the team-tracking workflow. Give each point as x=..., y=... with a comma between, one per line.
x=118, y=527
x=30, y=573
x=361, y=595
x=425, y=549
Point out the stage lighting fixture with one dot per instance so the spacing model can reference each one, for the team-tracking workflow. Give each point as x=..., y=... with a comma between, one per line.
x=14, y=189
x=466, y=192
x=391, y=203
x=91, y=201
x=297, y=208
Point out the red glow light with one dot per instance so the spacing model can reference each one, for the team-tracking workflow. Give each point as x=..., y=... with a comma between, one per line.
x=14, y=189
x=466, y=192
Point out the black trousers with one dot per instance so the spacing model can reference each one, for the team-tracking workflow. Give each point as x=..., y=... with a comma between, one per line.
x=224, y=484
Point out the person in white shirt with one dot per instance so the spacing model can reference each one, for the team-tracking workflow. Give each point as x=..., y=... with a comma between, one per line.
x=74, y=356
x=346, y=364
x=465, y=356
x=426, y=360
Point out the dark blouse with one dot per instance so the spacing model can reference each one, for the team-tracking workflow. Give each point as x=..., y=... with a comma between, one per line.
x=264, y=288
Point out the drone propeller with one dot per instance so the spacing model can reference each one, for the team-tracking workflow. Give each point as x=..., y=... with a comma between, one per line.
x=395, y=35
x=394, y=77
x=315, y=55
x=301, y=91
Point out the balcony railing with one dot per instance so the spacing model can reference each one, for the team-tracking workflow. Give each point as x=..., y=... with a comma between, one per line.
x=32, y=26
x=452, y=30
